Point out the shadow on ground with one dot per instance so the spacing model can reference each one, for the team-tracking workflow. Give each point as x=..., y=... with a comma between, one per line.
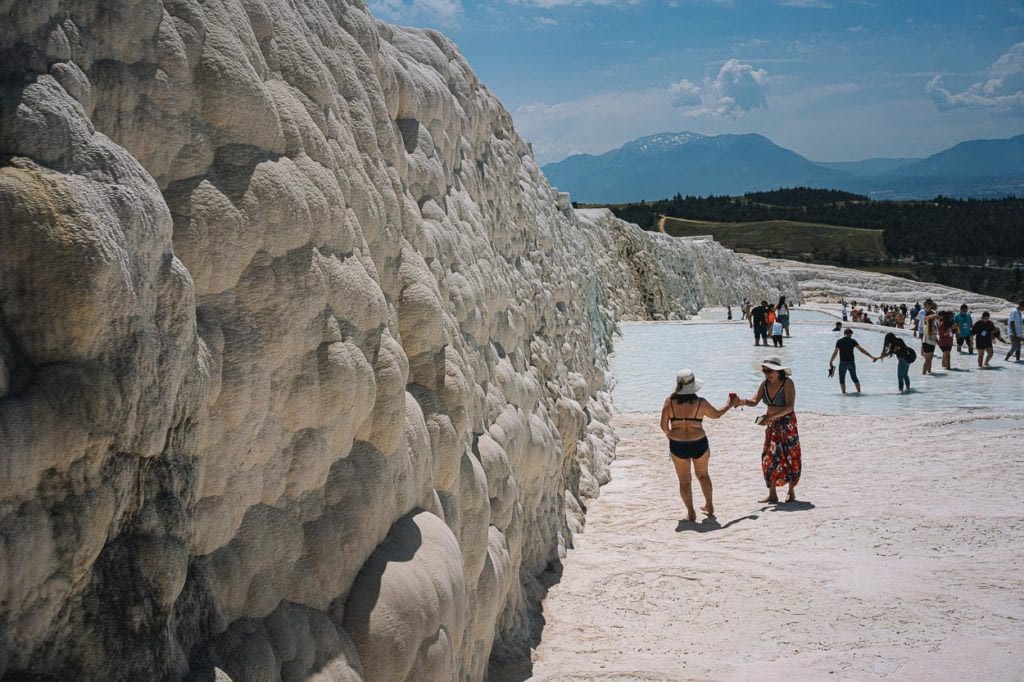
x=797, y=505
x=709, y=524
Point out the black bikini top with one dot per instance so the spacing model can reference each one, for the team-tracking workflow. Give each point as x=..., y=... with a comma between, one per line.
x=772, y=401
x=672, y=414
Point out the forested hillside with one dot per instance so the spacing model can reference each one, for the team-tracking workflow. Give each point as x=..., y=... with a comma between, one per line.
x=945, y=229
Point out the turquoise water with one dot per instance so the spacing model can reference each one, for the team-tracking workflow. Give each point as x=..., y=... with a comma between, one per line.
x=648, y=355
x=796, y=315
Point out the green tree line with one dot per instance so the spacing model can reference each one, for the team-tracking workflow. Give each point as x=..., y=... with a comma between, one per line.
x=963, y=230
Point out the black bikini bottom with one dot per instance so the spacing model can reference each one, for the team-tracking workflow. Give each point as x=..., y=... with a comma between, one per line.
x=688, y=449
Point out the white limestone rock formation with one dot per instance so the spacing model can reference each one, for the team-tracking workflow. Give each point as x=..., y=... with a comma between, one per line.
x=301, y=359
x=830, y=283
x=657, y=275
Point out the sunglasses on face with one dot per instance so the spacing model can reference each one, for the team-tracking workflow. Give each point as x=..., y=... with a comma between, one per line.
x=765, y=370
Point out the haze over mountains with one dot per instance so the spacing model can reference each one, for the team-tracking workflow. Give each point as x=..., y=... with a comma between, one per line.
x=659, y=166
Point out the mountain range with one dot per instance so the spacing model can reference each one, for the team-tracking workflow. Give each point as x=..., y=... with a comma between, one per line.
x=660, y=166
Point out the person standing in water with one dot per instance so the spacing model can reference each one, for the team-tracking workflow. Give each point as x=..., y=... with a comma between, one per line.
x=965, y=324
x=758, y=323
x=781, y=456
x=782, y=315
x=847, y=362
x=777, y=333
x=894, y=346
x=947, y=331
x=682, y=418
x=929, y=335
x=1015, y=330
x=985, y=331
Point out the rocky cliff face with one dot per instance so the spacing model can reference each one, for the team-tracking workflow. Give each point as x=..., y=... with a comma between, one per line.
x=300, y=357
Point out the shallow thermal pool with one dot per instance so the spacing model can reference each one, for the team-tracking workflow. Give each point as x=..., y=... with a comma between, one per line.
x=648, y=355
x=796, y=314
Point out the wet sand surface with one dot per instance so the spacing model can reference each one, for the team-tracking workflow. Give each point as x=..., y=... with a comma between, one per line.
x=902, y=559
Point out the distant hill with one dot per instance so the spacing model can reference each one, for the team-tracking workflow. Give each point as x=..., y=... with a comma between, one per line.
x=660, y=166
x=974, y=159
x=867, y=166
x=653, y=167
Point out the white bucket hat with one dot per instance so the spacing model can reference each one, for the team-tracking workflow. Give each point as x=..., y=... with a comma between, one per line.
x=774, y=362
x=687, y=383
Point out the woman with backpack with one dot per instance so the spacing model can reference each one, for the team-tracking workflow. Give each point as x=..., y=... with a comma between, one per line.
x=894, y=346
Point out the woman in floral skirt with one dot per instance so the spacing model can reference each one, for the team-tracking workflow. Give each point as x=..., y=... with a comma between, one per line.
x=780, y=459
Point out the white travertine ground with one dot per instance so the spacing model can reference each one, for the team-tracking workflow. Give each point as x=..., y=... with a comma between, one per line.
x=901, y=560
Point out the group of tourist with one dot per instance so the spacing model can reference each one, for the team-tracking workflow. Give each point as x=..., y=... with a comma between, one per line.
x=937, y=329
x=684, y=411
x=767, y=319
x=943, y=328
x=886, y=315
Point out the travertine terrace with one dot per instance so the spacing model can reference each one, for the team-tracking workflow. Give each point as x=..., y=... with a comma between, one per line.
x=301, y=358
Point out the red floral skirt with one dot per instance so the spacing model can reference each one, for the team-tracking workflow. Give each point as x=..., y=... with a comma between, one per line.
x=780, y=460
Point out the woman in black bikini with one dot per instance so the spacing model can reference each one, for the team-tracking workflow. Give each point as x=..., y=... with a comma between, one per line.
x=681, y=419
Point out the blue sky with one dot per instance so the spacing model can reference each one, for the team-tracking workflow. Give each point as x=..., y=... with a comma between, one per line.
x=835, y=80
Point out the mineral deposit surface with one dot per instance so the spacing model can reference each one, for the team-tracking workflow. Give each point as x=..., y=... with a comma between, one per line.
x=301, y=358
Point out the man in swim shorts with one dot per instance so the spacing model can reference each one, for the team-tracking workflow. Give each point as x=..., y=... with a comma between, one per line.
x=847, y=362
x=759, y=323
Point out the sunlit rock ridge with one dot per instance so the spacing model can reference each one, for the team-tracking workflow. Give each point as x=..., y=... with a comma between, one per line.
x=300, y=355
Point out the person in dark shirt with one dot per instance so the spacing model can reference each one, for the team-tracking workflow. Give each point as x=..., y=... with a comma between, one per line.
x=759, y=323
x=844, y=348
x=984, y=331
x=895, y=347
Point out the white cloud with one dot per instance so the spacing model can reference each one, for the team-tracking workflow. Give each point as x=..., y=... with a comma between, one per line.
x=859, y=28
x=441, y=12
x=544, y=22
x=1002, y=92
x=736, y=89
x=685, y=94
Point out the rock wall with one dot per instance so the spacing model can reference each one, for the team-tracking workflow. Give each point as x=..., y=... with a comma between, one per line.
x=300, y=356
x=657, y=276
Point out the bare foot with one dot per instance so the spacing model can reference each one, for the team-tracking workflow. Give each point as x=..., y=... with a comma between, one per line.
x=771, y=499
x=710, y=511
x=791, y=497
x=691, y=515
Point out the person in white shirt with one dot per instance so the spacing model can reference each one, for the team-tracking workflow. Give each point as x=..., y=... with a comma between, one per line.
x=918, y=326
x=1015, y=331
